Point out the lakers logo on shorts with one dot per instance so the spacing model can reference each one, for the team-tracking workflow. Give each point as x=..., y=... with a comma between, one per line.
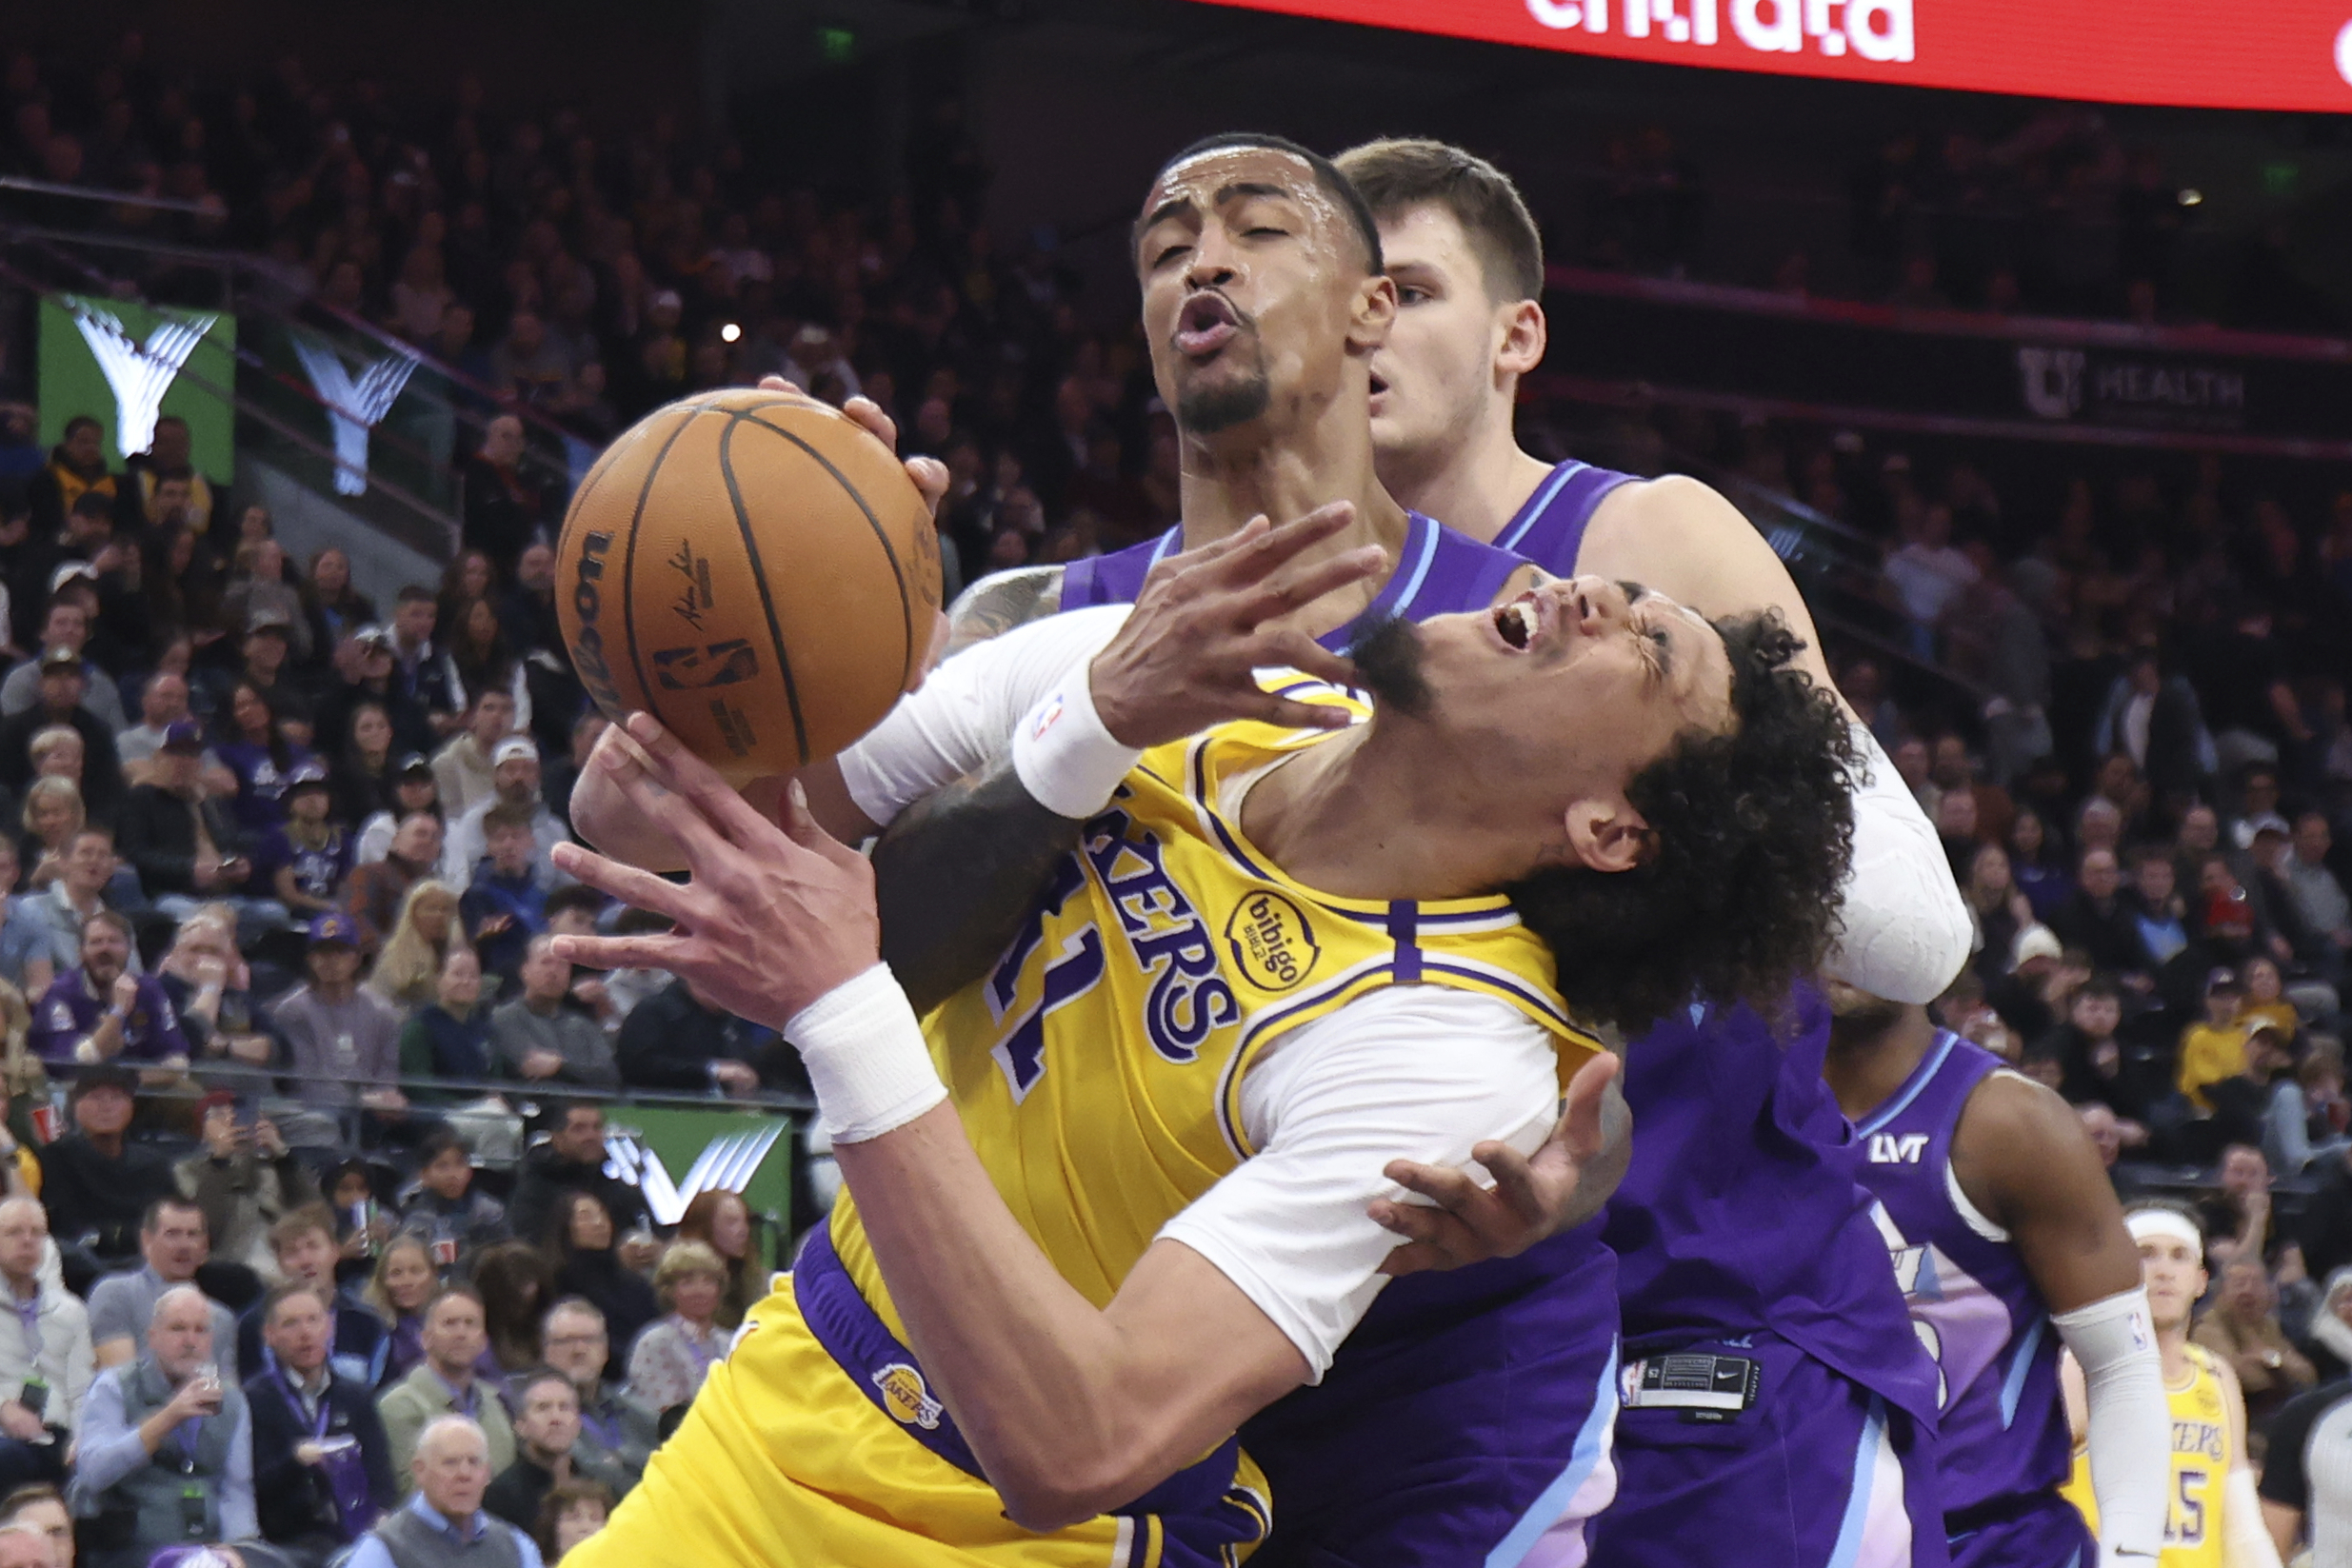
x=907, y=1397
x=1273, y=944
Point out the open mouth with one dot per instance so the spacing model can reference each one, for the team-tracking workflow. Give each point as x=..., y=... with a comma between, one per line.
x=1519, y=621
x=1380, y=383
x=1207, y=323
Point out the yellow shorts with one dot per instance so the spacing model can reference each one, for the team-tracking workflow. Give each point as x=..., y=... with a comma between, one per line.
x=783, y=1460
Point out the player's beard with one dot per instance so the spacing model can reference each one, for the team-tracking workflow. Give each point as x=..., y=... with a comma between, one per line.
x=1218, y=406
x=1389, y=659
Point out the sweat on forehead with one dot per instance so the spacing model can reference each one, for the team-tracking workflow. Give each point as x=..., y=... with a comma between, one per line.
x=1328, y=179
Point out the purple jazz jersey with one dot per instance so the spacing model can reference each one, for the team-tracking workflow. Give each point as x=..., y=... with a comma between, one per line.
x=1438, y=573
x=1470, y=1410
x=2003, y=1443
x=1549, y=529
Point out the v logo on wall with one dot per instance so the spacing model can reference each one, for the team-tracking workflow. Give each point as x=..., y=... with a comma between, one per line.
x=120, y=362
x=726, y=1163
x=140, y=373
x=356, y=404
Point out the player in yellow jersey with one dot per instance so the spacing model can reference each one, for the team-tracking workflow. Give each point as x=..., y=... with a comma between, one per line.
x=1278, y=956
x=2215, y=1518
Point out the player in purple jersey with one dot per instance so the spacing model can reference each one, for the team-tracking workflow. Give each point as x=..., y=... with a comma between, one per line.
x=2008, y=1243
x=1771, y=1374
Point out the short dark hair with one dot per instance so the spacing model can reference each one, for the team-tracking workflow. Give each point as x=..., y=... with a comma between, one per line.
x=415, y=593
x=1326, y=175
x=440, y=1141
x=2098, y=987
x=279, y=1294
x=506, y=816
x=530, y=1378
x=1753, y=832
x=28, y=1495
x=301, y=1221
x=80, y=422
x=577, y=895
x=155, y=1212
x=460, y=1290
x=1396, y=175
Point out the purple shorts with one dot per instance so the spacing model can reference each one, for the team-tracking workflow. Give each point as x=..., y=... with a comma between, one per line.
x=1816, y=1472
x=2042, y=1532
x=1461, y=1422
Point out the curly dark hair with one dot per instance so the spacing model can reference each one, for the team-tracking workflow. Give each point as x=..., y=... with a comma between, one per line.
x=1754, y=833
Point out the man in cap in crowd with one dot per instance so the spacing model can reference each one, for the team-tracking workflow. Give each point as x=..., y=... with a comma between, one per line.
x=62, y=687
x=465, y=768
x=343, y=1040
x=270, y=637
x=182, y=843
x=95, y=1185
x=515, y=772
x=67, y=623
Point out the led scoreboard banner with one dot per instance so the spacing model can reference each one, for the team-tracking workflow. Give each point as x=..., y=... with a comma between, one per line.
x=2272, y=55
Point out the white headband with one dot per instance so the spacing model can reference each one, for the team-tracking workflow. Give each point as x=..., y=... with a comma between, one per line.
x=2149, y=1223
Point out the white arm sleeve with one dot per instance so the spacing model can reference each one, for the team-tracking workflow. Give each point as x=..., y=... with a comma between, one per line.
x=963, y=714
x=1412, y=1072
x=2245, y=1540
x=1906, y=930
x=2130, y=1422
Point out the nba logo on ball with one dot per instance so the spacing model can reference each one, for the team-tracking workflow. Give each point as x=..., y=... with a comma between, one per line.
x=787, y=542
x=907, y=1398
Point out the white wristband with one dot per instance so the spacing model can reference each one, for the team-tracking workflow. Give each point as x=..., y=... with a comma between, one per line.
x=1067, y=762
x=867, y=1058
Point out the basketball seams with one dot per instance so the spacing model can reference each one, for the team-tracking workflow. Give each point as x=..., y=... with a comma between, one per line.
x=759, y=577
x=628, y=562
x=882, y=535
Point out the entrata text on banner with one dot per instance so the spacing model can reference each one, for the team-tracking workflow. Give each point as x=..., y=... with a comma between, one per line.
x=2275, y=54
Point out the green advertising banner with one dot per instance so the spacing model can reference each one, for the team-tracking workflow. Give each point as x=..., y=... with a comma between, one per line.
x=674, y=1154
x=121, y=363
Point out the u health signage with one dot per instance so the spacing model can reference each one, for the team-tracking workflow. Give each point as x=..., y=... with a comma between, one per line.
x=2273, y=54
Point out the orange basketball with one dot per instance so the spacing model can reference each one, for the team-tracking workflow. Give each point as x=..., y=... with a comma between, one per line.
x=755, y=572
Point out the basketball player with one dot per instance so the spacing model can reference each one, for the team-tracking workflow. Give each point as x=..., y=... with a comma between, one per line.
x=1141, y=1215
x=2003, y=1227
x=1738, y=1138
x=2214, y=1516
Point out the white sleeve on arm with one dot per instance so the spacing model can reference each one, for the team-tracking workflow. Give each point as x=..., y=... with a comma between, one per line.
x=1905, y=931
x=1412, y=1072
x=963, y=715
x=2130, y=1422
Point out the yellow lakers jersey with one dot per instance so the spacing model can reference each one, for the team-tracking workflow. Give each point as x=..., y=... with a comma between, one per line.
x=2202, y=1455
x=1098, y=1068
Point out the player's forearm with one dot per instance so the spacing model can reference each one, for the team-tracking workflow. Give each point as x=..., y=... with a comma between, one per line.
x=1069, y=1411
x=1905, y=931
x=956, y=875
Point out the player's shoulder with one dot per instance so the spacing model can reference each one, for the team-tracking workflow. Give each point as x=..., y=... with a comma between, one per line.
x=1002, y=601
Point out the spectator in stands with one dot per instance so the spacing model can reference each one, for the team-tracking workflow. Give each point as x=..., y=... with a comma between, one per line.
x=414, y=793
x=480, y=661
x=166, y=1453
x=2214, y=1047
x=246, y=1181
x=2309, y=1118
x=375, y=892
x=571, y=1514
x=173, y=1244
x=59, y=703
x=2036, y=864
x=362, y=772
x=89, y=877
x=618, y=1433
x=357, y=1342
x=541, y=1040
x=2095, y=1067
x=673, y=1355
x=403, y=1285
x=722, y=1222
x=420, y=675
x=256, y=752
x=547, y=1431
x=2098, y=920
x=332, y=605
x=407, y=971
x=504, y=904
x=185, y=847
x=2155, y=720
x=2242, y=1327
x=444, y=1383
x=322, y=1464
x=442, y=1208
x=42, y=1509
x=571, y=1159
x=97, y=1187
x=2242, y=1101
x=163, y=702
x=76, y=467
x=45, y=1357
x=99, y=1011
x=517, y=1284
x=675, y=1040
x=211, y=988
x=451, y=1037
x=518, y=787
x=2240, y=1214
x=64, y=624
x=504, y=505
x=2319, y=896
x=444, y=1525
x=2264, y=1004
x=2159, y=914
x=583, y=1245
x=367, y=673
x=465, y=771
x=342, y=1041
x=306, y=857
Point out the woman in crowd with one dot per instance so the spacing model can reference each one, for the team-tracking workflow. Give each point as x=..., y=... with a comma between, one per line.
x=404, y=1282
x=2000, y=911
x=451, y=1037
x=362, y=777
x=2037, y=865
x=2308, y=1119
x=363, y=1222
x=2265, y=1000
x=518, y=1284
x=408, y=972
x=331, y=605
x=53, y=815
x=467, y=577
x=722, y=1222
x=258, y=754
x=479, y=660
x=572, y=1511
x=672, y=1357
x=580, y=1246
x=211, y=988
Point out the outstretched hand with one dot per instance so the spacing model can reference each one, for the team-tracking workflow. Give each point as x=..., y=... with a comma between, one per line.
x=1206, y=620
x=774, y=913
x=1529, y=1201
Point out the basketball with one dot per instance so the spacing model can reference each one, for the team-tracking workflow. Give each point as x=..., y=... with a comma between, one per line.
x=755, y=572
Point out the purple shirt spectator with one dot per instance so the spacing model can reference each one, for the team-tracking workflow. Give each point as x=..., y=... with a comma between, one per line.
x=73, y=1007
